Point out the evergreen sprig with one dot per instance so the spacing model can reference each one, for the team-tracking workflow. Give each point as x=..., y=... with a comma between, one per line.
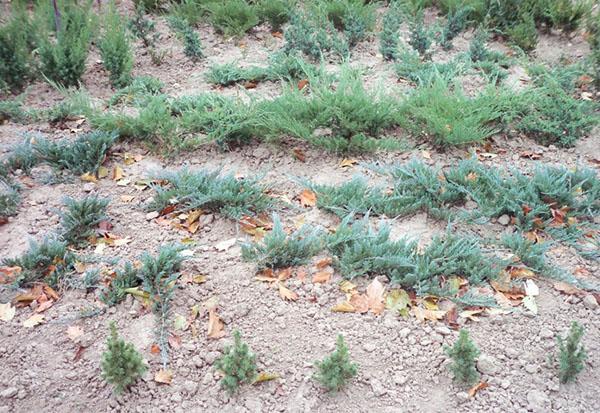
x=238, y=364
x=80, y=220
x=571, y=354
x=121, y=364
x=463, y=354
x=335, y=371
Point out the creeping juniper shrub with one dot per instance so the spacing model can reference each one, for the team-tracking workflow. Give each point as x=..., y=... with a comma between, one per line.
x=14, y=110
x=121, y=364
x=233, y=17
x=524, y=34
x=311, y=33
x=571, y=354
x=532, y=254
x=158, y=275
x=420, y=37
x=568, y=14
x=389, y=38
x=63, y=59
x=84, y=155
x=80, y=220
x=16, y=60
x=335, y=371
x=144, y=28
x=456, y=22
x=451, y=118
x=280, y=250
x=191, y=40
x=115, y=48
x=49, y=261
x=126, y=277
x=238, y=364
x=137, y=92
x=9, y=198
x=463, y=354
x=354, y=17
x=229, y=73
x=211, y=191
x=274, y=12
x=22, y=156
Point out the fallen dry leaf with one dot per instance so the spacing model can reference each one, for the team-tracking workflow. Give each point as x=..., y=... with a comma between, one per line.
x=117, y=173
x=8, y=274
x=174, y=341
x=7, y=312
x=263, y=376
x=215, y=325
x=88, y=177
x=375, y=292
x=33, y=321
x=470, y=314
x=286, y=293
x=299, y=154
x=155, y=349
x=344, y=307
x=423, y=314
x=567, y=288
x=360, y=303
x=308, y=198
x=302, y=84
x=322, y=277
x=479, y=386
x=163, y=376
x=347, y=163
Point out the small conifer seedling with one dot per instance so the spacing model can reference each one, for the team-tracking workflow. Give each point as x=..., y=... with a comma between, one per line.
x=335, y=371
x=238, y=364
x=463, y=354
x=121, y=364
x=571, y=354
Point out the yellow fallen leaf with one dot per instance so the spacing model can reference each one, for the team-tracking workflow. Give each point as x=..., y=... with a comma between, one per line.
x=308, y=198
x=322, y=277
x=102, y=172
x=398, y=301
x=347, y=163
x=347, y=287
x=344, y=307
x=263, y=376
x=33, y=321
x=286, y=293
x=7, y=312
x=470, y=314
x=117, y=173
x=88, y=177
x=423, y=314
x=163, y=376
x=127, y=198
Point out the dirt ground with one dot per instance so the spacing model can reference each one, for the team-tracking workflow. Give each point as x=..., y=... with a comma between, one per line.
x=402, y=364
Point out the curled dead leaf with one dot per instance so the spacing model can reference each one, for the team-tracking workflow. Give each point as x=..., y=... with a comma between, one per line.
x=479, y=386
x=215, y=325
x=286, y=293
x=163, y=376
x=308, y=198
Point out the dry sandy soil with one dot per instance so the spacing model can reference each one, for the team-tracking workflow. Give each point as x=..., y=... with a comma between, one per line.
x=402, y=363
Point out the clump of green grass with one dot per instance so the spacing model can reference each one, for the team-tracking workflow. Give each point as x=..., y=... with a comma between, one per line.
x=209, y=190
x=80, y=220
x=336, y=370
x=238, y=364
x=63, y=60
x=49, y=261
x=232, y=18
x=14, y=110
x=280, y=250
x=115, y=48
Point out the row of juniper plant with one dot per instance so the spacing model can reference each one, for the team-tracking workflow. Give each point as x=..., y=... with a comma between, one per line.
x=122, y=365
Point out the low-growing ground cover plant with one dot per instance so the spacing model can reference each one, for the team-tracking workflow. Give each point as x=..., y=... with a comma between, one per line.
x=80, y=220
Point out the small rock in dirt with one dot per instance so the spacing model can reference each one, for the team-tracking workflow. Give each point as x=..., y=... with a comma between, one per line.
x=531, y=368
x=538, y=402
x=9, y=392
x=377, y=387
x=589, y=301
x=88, y=187
x=546, y=333
x=211, y=357
x=4, y=409
x=254, y=405
x=369, y=347
x=462, y=396
x=400, y=379
x=487, y=365
x=261, y=153
x=504, y=220
x=404, y=332
x=512, y=353
x=505, y=384
x=443, y=330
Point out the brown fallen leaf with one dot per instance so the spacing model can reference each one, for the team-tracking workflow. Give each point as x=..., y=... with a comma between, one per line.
x=344, y=307
x=325, y=262
x=286, y=293
x=302, y=84
x=360, y=303
x=264, y=376
x=8, y=274
x=215, y=325
x=322, y=277
x=43, y=306
x=155, y=349
x=375, y=292
x=308, y=198
x=174, y=341
x=250, y=84
x=78, y=352
x=163, y=376
x=479, y=386
x=567, y=288
x=299, y=154
x=347, y=163
x=470, y=314
x=117, y=173
x=422, y=314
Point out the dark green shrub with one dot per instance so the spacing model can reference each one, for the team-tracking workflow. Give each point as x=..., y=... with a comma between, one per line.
x=389, y=38
x=456, y=22
x=420, y=37
x=233, y=17
x=274, y=12
x=280, y=250
x=115, y=48
x=144, y=28
x=48, y=261
x=16, y=60
x=336, y=370
x=312, y=34
x=80, y=220
x=568, y=14
x=9, y=198
x=238, y=364
x=191, y=39
x=192, y=11
x=121, y=364
x=571, y=354
x=149, y=5
x=63, y=59
x=463, y=355
x=524, y=34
